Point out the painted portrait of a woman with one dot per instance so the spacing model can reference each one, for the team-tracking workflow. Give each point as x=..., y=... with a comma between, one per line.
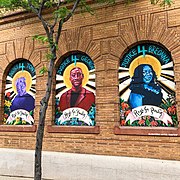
x=144, y=88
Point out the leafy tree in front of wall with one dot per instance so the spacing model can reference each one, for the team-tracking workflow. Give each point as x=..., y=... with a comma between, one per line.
x=62, y=11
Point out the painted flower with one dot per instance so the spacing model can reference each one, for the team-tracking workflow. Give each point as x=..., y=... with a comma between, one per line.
x=18, y=119
x=124, y=105
x=123, y=122
x=141, y=122
x=23, y=121
x=8, y=94
x=172, y=110
x=7, y=103
x=127, y=112
x=4, y=120
x=6, y=116
x=154, y=123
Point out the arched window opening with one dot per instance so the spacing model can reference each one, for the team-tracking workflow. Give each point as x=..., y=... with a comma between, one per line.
x=19, y=101
x=75, y=91
x=147, y=87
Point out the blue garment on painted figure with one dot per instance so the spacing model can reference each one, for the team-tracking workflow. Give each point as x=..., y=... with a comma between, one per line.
x=23, y=100
x=144, y=89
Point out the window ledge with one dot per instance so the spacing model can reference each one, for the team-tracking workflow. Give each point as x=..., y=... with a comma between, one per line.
x=151, y=131
x=18, y=128
x=74, y=129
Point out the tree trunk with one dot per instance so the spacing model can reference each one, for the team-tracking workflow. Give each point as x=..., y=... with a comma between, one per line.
x=44, y=102
x=42, y=115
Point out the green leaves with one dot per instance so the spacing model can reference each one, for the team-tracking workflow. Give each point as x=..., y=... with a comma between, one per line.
x=48, y=4
x=13, y=4
x=49, y=56
x=43, y=70
x=61, y=13
x=85, y=7
x=162, y=2
x=40, y=38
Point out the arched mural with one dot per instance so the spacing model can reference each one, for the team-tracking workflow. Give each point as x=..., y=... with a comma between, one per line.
x=147, y=87
x=75, y=91
x=20, y=93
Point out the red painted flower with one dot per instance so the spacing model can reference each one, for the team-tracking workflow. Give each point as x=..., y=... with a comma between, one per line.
x=123, y=122
x=8, y=94
x=124, y=105
x=154, y=123
x=6, y=115
x=127, y=112
x=141, y=122
x=172, y=110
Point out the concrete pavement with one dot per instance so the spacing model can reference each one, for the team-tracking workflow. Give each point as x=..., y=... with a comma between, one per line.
x=14, y=178
x=17, y=178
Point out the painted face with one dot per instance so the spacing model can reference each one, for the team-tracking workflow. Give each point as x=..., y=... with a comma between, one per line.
x=147, y=74
x=76, y=77
x=21, y=86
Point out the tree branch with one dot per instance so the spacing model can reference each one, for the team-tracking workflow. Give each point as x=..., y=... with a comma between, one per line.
x=56, y=18
x=72, y=11
x=39, y=14
x=41, y=7
x=33, y=7
x=65, y=19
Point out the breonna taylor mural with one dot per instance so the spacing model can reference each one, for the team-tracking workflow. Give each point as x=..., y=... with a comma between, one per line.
x=20, y=94
x=147, y=87
x=75, y=91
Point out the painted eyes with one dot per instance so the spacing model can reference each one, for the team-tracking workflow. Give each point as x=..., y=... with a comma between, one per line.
x=147, y=73
x=76, y=75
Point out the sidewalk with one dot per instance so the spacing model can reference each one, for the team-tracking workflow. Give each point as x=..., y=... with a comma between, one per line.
x=17, y=178
x=14, y=178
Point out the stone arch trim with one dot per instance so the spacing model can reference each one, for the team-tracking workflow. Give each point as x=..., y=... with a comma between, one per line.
x=22, y=48
x=79, y=39
x=143, y=28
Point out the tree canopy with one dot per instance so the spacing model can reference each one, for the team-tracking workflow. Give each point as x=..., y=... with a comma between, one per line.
x=16, y=4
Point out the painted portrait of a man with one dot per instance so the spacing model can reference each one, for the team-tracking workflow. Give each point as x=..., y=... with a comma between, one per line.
x=75, y=91
x=77, y=96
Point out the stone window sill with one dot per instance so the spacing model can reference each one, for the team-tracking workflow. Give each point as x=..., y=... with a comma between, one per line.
x=18, y=128
x=151, y=131
x=74, y=129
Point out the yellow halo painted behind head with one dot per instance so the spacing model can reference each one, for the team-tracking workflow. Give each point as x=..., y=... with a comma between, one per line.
x=24, y=74
x=66, y=74
x=148, y=59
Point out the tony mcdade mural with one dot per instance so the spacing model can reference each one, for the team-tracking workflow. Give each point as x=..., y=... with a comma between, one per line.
x=20, y=94
x=75, y=91
x=147, y=87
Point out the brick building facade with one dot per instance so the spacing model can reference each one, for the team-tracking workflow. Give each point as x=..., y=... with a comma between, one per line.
x=105, y=37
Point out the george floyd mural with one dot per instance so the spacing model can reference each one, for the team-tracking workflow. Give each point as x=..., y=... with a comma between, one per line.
x=147, y=87
x=20, y=94
x=75, y=91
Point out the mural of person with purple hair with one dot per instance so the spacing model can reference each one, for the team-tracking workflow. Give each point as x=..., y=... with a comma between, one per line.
x=23, y=100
